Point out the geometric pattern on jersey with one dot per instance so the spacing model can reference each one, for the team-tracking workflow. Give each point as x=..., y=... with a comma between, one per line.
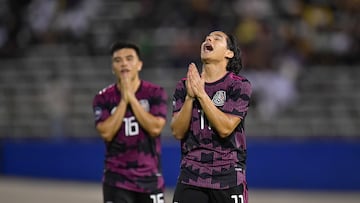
x=206, y=159
x=132, y=159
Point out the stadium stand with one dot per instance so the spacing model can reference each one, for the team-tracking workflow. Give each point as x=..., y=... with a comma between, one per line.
x=327, y=105
x=327, y=83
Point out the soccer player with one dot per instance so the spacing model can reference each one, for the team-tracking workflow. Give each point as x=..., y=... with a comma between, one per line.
x=209, y=111
x=130, y=115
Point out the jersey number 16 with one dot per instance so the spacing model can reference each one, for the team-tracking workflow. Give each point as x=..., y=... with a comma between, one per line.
x=131, y=126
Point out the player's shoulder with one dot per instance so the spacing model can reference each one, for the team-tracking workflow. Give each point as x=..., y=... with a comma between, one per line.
x=107, y=90
x=151, y=85
x=182, y=81
x=237, y=78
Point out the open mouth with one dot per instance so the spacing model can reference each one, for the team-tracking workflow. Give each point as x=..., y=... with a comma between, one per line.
x=208, y=47
x=124, y=71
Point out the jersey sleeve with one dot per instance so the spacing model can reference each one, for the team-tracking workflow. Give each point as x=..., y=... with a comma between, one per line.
x=159, y=102
x=239, y=98
x=100, y=111
x=179, y=95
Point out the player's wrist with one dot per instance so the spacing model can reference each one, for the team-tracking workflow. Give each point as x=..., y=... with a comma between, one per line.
x=188, y=97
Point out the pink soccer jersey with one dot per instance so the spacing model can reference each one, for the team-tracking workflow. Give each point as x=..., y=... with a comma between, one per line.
x=132, y=159
x=208, y=160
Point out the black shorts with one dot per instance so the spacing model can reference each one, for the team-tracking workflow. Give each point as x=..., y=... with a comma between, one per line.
x=187, y=193
x=117, y=195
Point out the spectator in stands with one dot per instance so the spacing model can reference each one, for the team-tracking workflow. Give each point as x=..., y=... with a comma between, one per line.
x=11, y=25
x=130, y=115
x=208, y=117
x=274, y=85
x=60, y=20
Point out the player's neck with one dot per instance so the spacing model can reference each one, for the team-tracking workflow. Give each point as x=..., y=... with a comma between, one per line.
x=136, y=83
x=213, y=72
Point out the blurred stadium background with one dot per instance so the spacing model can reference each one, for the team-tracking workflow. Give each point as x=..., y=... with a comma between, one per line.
x=302, y=57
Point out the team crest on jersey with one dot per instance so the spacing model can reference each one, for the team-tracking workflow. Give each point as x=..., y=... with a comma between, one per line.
x=219, y=98
x=145, y=104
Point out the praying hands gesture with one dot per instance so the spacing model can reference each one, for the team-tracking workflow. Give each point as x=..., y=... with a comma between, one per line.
x=127, y=89
x=195, y=85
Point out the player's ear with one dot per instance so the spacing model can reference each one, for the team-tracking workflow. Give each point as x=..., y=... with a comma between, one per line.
x=229, y=54
x=140, y=64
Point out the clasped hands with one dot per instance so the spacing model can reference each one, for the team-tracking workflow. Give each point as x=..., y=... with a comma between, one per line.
x=127, y=89
x=195, y=84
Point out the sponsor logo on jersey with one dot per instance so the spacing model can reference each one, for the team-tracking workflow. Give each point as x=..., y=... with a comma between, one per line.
x=219, y=98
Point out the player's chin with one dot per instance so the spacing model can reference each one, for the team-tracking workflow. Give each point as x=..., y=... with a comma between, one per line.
x=205, y=54
x=205, y=57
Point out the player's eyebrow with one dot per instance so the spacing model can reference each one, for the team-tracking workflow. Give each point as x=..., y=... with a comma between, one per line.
x=116, y=58
x=130, y=56
x=218, y=35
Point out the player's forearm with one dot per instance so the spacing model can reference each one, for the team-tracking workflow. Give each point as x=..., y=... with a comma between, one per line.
x=152, y=124
x=181, y=121
x=223, y=123
x=108, y=128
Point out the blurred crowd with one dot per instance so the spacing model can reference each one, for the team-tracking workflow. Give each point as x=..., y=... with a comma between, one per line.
x=315, y=31
x=278, y=38
x=25, y=23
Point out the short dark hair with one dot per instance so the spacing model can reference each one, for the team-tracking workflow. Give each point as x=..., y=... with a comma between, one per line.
x=235, y=63
x=123, y=45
